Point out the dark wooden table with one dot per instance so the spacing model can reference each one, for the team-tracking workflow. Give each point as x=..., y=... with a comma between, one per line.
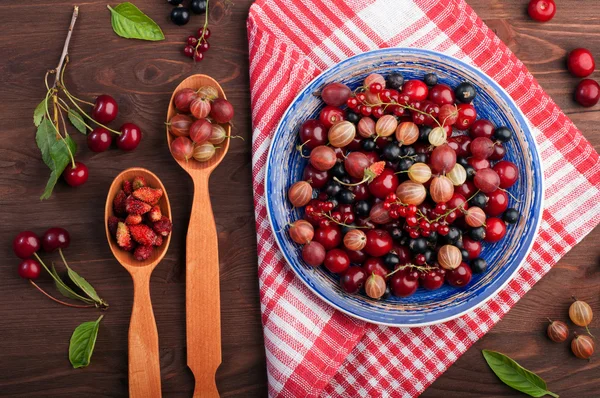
x=34, y=332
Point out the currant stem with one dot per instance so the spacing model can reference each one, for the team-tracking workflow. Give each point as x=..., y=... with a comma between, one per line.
x=203, y=28
x=57, y=300
x=330, y=218
x=65, y=50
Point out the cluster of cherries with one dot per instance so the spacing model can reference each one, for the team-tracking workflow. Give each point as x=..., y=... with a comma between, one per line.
x=26, y=245
x=400, y=190
x=100, y=138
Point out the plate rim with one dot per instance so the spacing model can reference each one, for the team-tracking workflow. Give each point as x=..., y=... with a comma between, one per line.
x=527, y=130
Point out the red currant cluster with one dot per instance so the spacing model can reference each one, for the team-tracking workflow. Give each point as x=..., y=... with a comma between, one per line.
x=197, y=45
x=405, y=189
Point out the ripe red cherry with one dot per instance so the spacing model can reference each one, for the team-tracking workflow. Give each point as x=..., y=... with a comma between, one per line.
x=316, y=178
x=330, y=236
x=331, y=115
x=25, y=244
x=499, y=152
x=404, y=283
x=105, y=109
x=541, y=10
x=581, y=62
x=99, y=139
x=30, y=269
x=460, y=276
x=497, y=203
x=75, y=176
x=403, y=253
x=416, y=90
x=467, y=189
x=374, y=265
x=587, y=92
x=495, y=229
x=384, y=184
x=337, y=261
x=482, y=128
x=508, y=173
x=434, y=279
x=466, y=116
x=353, y=280
x=130, y=137
x=472, y=247
x=441, y=94
x=313, y=133
x=461, y=145
x=55, y=238
x=356, y=256
x=379, y=242
x=478, y=164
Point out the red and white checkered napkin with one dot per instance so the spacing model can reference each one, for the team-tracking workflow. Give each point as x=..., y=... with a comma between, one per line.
x=313, y=350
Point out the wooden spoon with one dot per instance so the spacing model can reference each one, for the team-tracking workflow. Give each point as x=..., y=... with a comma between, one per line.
x=144, y=363
x=203, y=308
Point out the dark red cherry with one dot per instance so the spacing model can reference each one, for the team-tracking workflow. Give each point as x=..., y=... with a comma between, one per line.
x=353, y=280
x=25, y=244
x=441, y=94
x=466, y=116
x=75, y=176
x=356, y=256
x=130, y=137
x=330, y=236
x=482, y=128
x=316, y=178
x=331, y=115
x=460, y=276
x=313, y=134
x=99, y=139
x=404, y=283
x=374, y=265
x=434, y=279
x=30, y=269
x=497, y=203
x=472, y=247
x=384, y=184
x=508, y=173
x=416, y=90
x=460, y=144
x=337, y=261
x=105, y=109
x=55, y=238
x=495, y=229
x=379, y=242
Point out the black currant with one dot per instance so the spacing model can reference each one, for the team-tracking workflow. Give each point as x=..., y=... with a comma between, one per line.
x=368, y=145
x=198, y=6
x=430, y=256
x=421, y=158
x=465, y=92
x=470, y=171
x=503, y=134
x=477, y=234
x=424, y=133
x=395, y=81
x=418, y=245
x=390, y=260
x=391, y=152
x=345, y=196
x=338, y=170
x=478, y=265
x=433, y=237
x=397, y=233
x=452, y=236
x=479, y=200
x=407, y=151
x=462, y=161
x=404, y=164
x=362, y=208
x=511, y=216
x=465, y=254
x=332, y=188
x=180, y=15
x=352, y=117
x=431, y=79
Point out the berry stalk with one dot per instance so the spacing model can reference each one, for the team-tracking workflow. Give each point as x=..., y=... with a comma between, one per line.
x=57, y=300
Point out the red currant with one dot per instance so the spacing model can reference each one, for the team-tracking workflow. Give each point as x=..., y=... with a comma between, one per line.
x=188, y=51
x=192, y=41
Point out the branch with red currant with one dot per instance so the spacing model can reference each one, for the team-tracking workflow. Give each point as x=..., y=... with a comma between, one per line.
x=52, y=137
x=198, y=45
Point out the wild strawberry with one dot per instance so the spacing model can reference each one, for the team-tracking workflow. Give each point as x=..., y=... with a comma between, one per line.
x=142, y=234
x=138, y=182
x=134, y=206
x=158, y=241
x=148, y=195
x=369, y=175
x=119, y=203
x=133, y=219
x=163, y=226
x=123, y=236
x=127, y=187
x=154, y=214
x=142, y=252
x=112, y=222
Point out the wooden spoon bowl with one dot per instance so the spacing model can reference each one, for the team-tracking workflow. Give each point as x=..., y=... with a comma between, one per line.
x=144, y=362
x=203, y=307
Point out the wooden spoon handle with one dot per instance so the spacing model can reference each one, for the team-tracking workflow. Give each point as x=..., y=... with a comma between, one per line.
x=203, y=307
x=144, y=362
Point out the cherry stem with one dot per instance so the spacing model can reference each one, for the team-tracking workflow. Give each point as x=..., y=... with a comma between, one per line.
x=64, y=86
x=70, y=97
x=65, y=108
x=510, y=194
x=411, y=108
x=65, y=50
x=57, y=300
x=62, y=118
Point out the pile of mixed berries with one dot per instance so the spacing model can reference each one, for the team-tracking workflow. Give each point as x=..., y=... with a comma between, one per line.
x=198, y=126
x=403, y=185
x=138, y=224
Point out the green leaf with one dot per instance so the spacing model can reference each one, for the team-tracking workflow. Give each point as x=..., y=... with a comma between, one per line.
x=77, y=121
x=65, y=290
x=40, y=112
x=515, y=376
x=84, y=285
x=45, y=137
x=83, y=340
x=131, y=23
x=60, y=153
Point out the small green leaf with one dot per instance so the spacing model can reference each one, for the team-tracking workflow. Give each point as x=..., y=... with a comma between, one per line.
x=60, y=153
x=40, y=112
x=84, y=285
x=77, y=121
x=83, y=340
x=45, y=137
x=131, y=23
x=515, y=376
x=65, y=290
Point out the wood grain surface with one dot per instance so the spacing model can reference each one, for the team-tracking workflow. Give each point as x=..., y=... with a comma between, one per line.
x=35, y=332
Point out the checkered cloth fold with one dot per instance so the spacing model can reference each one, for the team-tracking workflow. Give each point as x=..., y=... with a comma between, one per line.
x=313, y=350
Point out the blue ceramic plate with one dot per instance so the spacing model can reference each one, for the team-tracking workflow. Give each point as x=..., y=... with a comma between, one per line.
x=285, y=166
